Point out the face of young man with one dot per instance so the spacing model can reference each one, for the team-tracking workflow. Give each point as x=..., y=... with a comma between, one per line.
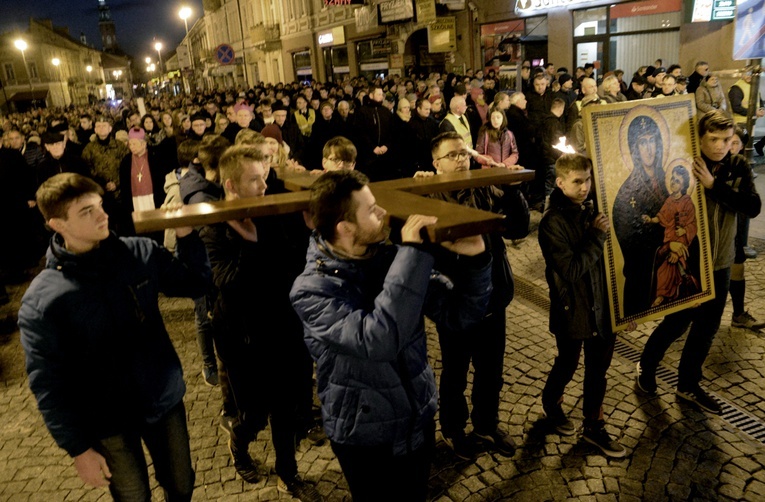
x=326, y=112
x=576, y=185
x=369, y=227
x=243, y=118
x=280, y=117
x=85, y=123
x=199, y=127
x=86, y=224
x=252, y=182
x=16, y=140
x=424, y=109
x=736, y=145
x=716, y=145
x=452, y=156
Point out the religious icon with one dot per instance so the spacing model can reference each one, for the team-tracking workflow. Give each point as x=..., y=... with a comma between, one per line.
x=658, y=247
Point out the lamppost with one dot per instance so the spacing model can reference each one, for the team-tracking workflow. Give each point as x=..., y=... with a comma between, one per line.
x=185, y=14
x=158, y=48
x=57, y=63
x=22, y=46
x=89, y=69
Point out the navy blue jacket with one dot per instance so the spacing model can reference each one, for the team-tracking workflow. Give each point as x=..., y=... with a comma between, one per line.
x=99, y=358
x=364, y=328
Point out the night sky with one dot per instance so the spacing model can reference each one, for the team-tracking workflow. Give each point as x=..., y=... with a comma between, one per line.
x=137, y=21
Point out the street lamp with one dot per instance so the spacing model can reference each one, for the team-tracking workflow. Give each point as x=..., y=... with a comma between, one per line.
x=148, y=60
x=22, y=46
x=89, y=69
x=158, y=48
x=57, y=63
x=185, y=14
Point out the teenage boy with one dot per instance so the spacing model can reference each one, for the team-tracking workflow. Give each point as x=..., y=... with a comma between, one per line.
x=571, y=235
x=254, y=263
x=361, y=302
x=100, y=361
x=338, y=154
x=729, y=189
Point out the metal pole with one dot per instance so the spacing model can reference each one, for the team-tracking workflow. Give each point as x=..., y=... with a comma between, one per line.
x=244, y=52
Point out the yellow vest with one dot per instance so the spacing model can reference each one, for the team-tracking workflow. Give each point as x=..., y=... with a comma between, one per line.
x=305, y=124
x=745, y=87
x=462, y=130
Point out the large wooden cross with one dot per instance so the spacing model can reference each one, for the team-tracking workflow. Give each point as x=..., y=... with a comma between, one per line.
x=400, y=198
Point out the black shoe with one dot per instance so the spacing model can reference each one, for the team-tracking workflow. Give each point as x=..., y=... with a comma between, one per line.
x=700, y=398
x=559, y=422
x=316, y=436
x=645, y=383
x=461, y=445
x=243, y=463
x=227, y=424
x=210, y=375
x=299, y=489
x=758, y=148
x=499, y=440
x=598, y=436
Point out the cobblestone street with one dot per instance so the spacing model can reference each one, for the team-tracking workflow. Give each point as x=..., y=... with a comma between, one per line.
x=674, y=451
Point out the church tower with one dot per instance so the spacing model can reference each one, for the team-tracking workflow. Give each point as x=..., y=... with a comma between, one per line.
x=106, y=27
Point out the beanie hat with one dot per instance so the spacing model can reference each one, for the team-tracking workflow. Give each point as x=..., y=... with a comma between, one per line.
x=659, y=70
x=272, y=131
x=137, y=133
x=564, y=78
x=49, y=137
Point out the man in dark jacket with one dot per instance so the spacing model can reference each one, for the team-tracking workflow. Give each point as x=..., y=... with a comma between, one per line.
x=424, y=129
x=58, y=158
x=91, y=319
x=361, y=303
x=254, y=263
x=729, y=190
x=484, y=342
x=374, y=138
x=572, y=236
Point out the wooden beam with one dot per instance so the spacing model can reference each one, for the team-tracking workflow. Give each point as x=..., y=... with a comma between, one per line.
x=434, y=184
x=453, y=221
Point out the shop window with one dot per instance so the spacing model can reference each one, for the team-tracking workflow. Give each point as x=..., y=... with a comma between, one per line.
x=590, y=22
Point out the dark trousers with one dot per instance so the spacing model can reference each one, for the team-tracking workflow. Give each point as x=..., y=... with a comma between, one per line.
x=203, y=321
x=374, y=474
x=704, y=321
x=598, y=352
x=168, y=445
x=267, y=383
x=484, y=343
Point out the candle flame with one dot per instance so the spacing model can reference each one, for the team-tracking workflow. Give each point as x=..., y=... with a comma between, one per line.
x=563, y=146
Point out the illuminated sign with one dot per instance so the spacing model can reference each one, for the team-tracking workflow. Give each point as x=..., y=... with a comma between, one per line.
x=326, y=38
x=335, y=36
x=529, y=6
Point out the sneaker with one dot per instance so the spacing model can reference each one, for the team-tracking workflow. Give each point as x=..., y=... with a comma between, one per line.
x=560, y=422
x=498, y=439
x=598, y=436
x=316, y=435
x=243, y=463
x=646, y=383
x=461, y=445
x=745, y=320
x=700, y=398
x=210, y=374
x=299, y=489
x=750, y=253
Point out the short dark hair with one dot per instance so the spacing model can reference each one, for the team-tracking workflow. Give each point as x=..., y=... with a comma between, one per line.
x=343, y=148
x=187, y=152
x=57, y=193
x=715, y=121
x=570, y=162
x=444, y=136
x=332, y=200
x=211, y=148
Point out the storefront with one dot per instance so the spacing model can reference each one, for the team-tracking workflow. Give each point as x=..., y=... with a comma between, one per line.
x=334, y=54
x=628, y=35
x=372, y=56
x=506, y=44
x=301, y=62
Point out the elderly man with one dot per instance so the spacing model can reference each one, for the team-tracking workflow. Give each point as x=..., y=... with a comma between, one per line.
x=589, y=87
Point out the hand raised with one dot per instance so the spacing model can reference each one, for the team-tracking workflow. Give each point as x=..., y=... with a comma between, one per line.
x=410, y=232
x=601, y=222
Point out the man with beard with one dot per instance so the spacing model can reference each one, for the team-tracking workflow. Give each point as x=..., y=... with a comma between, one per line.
x=374, y=136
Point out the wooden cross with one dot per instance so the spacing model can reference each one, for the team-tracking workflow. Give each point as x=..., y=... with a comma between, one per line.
x=400, y=198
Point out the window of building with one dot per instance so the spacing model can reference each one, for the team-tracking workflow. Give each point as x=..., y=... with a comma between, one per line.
x=33, y=70
x=10, y=74
x=628, y=35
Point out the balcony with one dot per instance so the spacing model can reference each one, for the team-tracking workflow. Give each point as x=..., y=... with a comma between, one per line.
x=266, y=37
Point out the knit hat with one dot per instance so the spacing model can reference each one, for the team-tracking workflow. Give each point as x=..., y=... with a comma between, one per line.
x=200, y=116
x=272, y=131
x=649, y=71
x=564, y=78
x=659, y=70
x=50, y=137
x=137, y=133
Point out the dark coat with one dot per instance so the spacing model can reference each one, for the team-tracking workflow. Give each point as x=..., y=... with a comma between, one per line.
x=574, y=269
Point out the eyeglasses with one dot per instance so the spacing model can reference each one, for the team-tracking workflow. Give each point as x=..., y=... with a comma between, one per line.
x=455, y=156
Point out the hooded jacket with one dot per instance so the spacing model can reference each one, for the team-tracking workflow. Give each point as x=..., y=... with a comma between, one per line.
x=364, y=328
x=99, y=358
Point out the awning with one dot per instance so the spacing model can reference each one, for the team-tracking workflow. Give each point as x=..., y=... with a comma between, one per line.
x=30, y=95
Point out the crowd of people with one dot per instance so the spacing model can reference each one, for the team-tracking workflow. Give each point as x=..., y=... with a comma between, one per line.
x=350, y=306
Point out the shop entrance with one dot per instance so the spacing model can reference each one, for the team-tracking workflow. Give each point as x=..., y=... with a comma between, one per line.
x=417, y=55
